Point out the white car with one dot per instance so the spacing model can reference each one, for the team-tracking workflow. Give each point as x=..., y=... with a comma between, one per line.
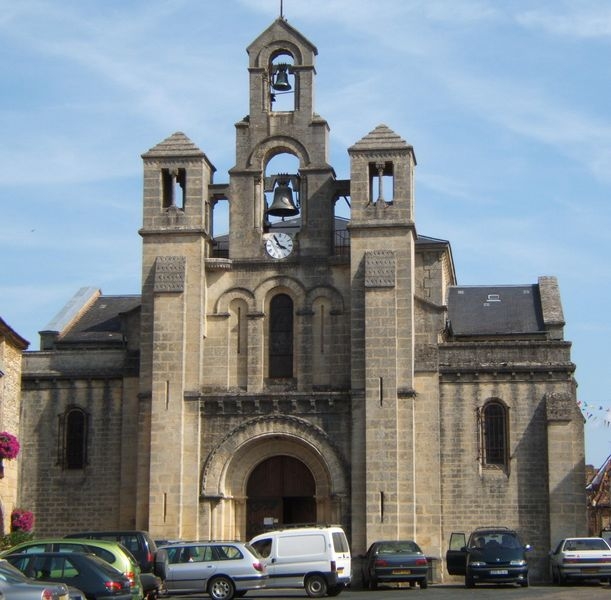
x=581, y=558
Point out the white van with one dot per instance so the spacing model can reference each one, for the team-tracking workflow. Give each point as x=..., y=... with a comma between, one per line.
x=316, y=559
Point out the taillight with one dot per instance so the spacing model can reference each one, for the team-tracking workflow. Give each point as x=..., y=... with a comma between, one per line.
x=132, y=578
x=258, y=566
x=113, y=586
x=380, y=562
x=421, y=561
x=47, y=594
x=333, y=566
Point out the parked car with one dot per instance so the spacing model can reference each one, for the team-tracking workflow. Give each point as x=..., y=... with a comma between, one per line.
x=141, y=545
x=113, y=553
x=492, y=555
x=316, y=559
x=395, y=562
x=14, y=585
x=581, y=558
x=87, y=572
x=220, y=569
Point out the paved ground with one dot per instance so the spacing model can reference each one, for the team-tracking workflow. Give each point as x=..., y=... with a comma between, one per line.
x=459, y=592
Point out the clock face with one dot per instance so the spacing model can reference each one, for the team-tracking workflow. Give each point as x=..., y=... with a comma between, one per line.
x=278, y=245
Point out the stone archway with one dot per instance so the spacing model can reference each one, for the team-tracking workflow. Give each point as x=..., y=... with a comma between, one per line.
x=229, y=467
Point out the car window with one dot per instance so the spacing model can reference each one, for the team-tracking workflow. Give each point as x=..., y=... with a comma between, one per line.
x=62, y=567
x=33, y=548
x=263, y=547
x=252, y=550
x=104, y=554
x=131, y=543
x=398, y=547
x=585, y=544
x=226, y=552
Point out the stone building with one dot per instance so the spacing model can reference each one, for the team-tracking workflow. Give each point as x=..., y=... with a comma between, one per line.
x=304, y=367
x=12, y=346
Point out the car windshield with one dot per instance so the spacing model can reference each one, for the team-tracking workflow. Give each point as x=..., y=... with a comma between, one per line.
x=494, y=540
x=585, y=544
x=11, y=574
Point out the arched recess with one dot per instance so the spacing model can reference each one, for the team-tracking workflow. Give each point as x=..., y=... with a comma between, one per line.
x=222, y=304
x=277, y=285
x=272, y=146
x=228, y=467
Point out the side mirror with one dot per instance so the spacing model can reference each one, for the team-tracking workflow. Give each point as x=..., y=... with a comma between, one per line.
x=528, y=548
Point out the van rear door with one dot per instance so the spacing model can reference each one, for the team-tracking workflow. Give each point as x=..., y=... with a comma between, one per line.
x=342, y=555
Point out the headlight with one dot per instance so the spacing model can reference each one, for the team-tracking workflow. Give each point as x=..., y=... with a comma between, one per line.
x=477, y=563
x=517, y=563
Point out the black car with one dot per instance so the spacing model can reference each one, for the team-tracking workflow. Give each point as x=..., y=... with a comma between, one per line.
x=95, y=577
x=492, y=555
x=138, y=542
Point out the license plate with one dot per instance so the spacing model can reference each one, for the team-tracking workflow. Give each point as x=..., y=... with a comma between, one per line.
x=499, y=572
x=590, y=570
x=401, y=572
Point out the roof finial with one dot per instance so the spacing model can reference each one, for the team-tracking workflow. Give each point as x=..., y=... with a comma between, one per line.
x=281, y=11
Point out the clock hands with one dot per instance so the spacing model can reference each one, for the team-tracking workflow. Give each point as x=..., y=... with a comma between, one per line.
x=279, y=244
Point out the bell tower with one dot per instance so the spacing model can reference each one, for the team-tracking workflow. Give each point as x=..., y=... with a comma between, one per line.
x=281, y=122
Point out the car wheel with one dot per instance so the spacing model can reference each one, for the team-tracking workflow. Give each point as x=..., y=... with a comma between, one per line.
x=221, y=588
x=469, y=581
x=372, y=584
x=525, y=582
x=424, y=584
x=315, y=586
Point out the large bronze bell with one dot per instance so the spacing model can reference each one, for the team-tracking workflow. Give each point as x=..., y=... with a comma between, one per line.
x=283, y=204
x=281, y=79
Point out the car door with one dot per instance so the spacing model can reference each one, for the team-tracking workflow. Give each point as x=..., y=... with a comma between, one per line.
x=189, y=568
x=456, y=556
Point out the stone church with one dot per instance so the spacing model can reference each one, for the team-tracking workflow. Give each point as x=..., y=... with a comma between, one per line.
x=305, y=366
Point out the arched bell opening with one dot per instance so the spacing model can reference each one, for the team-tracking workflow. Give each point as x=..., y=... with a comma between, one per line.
x=283, y=82
x=280, y=491
x=282, y=193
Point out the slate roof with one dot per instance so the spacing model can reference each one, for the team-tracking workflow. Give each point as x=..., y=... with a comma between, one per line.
x=101, y=322
x=177, y=145
x=495, y=310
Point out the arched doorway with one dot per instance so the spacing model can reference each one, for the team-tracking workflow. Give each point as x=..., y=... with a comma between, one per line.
x=280, y=490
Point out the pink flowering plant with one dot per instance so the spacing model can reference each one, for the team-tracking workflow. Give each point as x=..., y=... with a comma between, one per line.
x=9, y=445
x=22, y=520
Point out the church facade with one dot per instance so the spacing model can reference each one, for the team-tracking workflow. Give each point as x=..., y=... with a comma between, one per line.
x=305, y=367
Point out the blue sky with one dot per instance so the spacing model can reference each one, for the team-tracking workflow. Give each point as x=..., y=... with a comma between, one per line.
x=507, y=105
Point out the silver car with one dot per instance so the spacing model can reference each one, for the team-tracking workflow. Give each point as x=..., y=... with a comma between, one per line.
x=220, y=569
